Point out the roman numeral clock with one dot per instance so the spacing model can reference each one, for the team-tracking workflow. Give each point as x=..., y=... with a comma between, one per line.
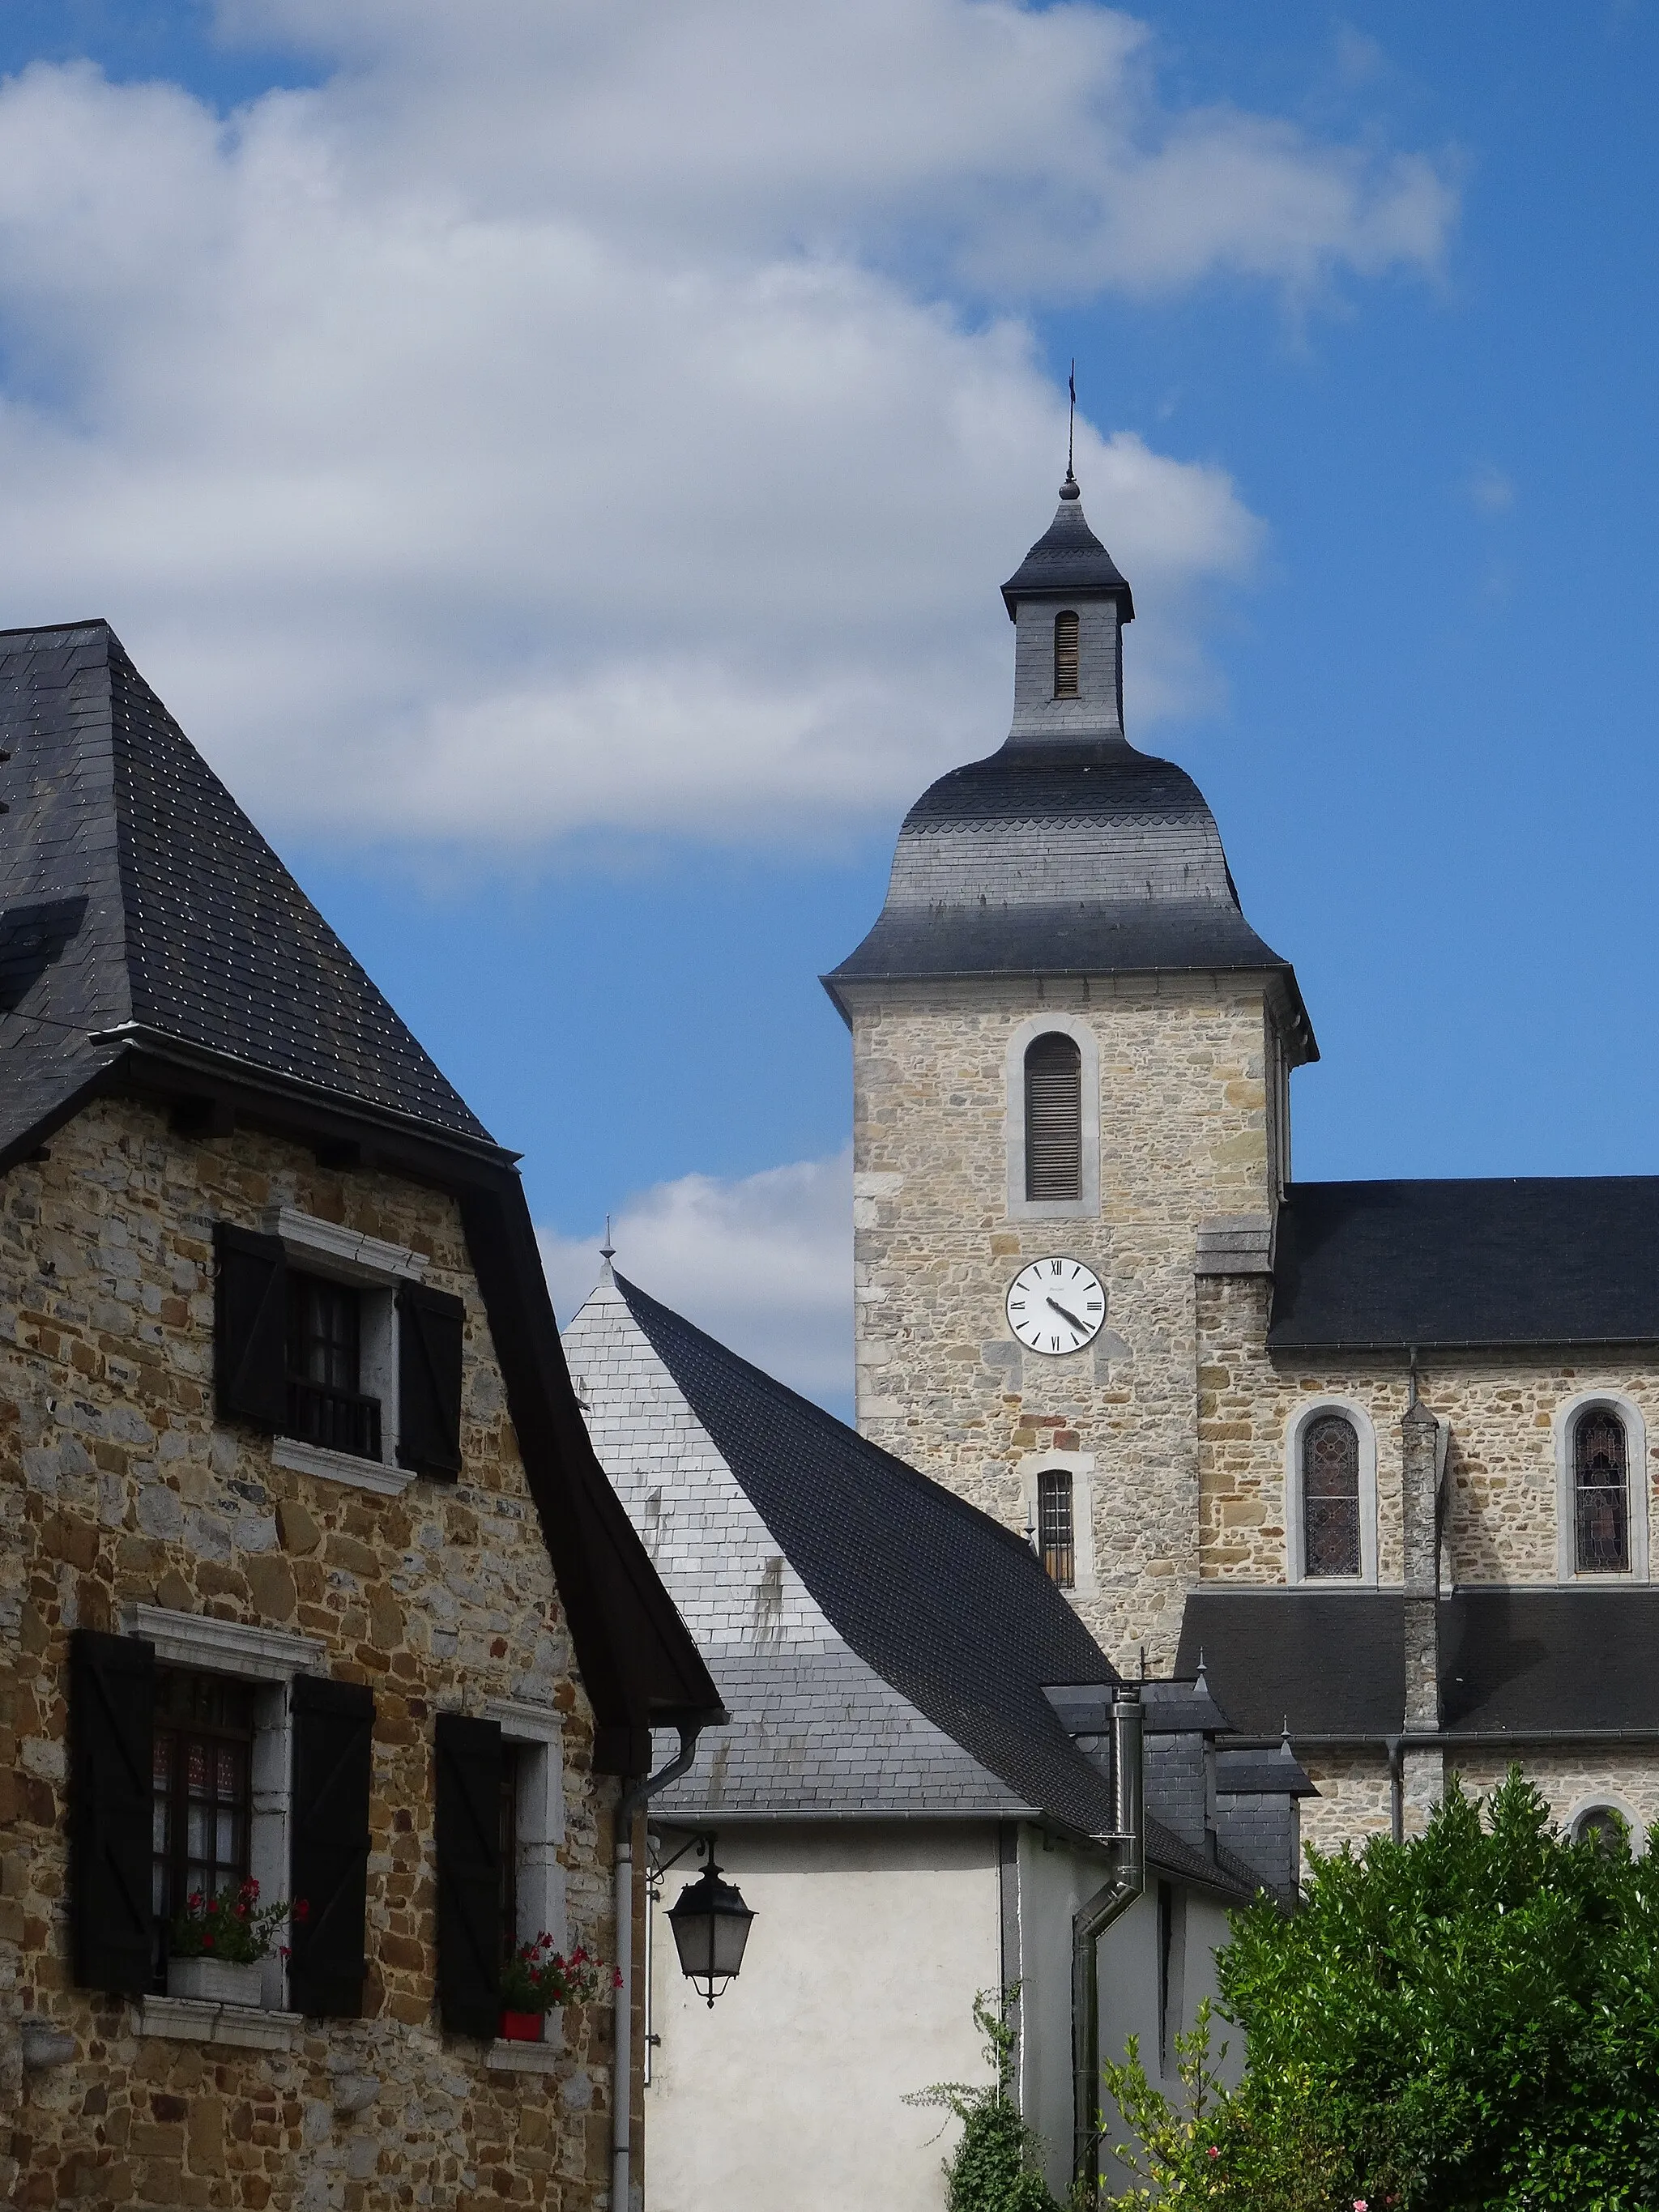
x=1056, y=1305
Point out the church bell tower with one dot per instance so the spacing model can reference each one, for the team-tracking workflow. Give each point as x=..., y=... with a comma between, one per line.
x=1071, y=1064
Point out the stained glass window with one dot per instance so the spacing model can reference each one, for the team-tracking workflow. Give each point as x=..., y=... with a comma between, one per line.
x=1330, y=1496
x=1601, y=1489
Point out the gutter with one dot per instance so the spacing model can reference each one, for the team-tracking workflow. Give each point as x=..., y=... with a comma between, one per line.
x=622, y=2060
x=1126, y=1847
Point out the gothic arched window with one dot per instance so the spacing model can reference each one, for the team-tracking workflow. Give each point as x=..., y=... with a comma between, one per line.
x=1601, y=1494
x=1054, y=1118
x=1057, y=1535
x=1066, y=656
x=1330, y=1496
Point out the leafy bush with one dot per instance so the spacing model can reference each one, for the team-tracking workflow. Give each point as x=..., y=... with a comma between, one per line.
x=994, y=2167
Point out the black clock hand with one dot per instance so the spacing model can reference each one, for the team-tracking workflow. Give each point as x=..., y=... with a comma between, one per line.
x=1081, y=1326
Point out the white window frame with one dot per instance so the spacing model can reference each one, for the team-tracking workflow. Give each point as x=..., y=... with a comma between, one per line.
x=1295, y=1558
x=1596, y=1801
x=1080, y=1465
x=270, y=1658
x=379, y=1270
x=1564, y=1422
x=536, y=1733
x=1021, y=1208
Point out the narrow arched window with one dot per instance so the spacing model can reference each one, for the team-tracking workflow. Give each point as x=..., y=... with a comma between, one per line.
x=1601, y=1494
x=1330, y=1496
x=1054, y=1118
x=1066, y=656
x=1056, y=1536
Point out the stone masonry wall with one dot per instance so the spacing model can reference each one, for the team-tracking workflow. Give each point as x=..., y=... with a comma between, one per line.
x=117, y=1485
x=941, y=1379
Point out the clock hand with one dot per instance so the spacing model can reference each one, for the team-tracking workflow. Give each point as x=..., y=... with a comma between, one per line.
x=1081, y=1326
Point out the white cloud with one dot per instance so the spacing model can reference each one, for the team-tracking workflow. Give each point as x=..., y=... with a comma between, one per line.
x=1491, y=489
x=764, y=1263
x=579, y=415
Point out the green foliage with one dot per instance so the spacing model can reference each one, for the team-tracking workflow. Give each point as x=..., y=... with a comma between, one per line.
x=1465, y=2022
x=994, y=2167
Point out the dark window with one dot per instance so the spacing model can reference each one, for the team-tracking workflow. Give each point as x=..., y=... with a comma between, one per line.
x=1055, y=1535
x=1601, y=1494
x=325, y=1404
x=1330, y=1496
x=200, y=1803
x=1603, y=1827
x=509, y=1848
x=1054, y=1118
x=1066, y=656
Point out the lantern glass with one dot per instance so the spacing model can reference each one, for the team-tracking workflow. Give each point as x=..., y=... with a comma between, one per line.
x=711, y=1925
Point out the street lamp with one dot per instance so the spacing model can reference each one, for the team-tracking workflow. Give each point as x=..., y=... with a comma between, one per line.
x=710, y=1923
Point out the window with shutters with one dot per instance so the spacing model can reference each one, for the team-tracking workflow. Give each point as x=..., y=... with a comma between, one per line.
x=1054, y=1118
x=1056, y=1537
x=202, y=1796
x=325, y=1404
x=1066, y=656
x=1600, y=1486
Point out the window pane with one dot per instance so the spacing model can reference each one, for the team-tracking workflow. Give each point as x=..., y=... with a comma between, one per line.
x=200, y=1825
x=1056, y=1535
x=1602, y=1493
x=1330, y=1497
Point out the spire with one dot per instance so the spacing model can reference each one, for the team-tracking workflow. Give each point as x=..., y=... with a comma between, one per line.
x=607, y=1254
x=1069, y=562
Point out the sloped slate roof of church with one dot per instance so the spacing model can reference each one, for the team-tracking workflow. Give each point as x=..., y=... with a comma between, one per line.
x=136, y=895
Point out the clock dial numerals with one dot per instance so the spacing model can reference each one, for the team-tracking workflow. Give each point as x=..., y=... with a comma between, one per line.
x=1056, y=1305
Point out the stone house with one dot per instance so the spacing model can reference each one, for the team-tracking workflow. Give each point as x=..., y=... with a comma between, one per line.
x=308, y=1572
x=1378, y=1451
x=919, y=1791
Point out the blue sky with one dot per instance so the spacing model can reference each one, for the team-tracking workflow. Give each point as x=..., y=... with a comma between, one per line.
x=564, y=484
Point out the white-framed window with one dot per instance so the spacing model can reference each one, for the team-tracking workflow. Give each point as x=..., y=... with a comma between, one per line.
x=1051, y=1120
x=1601, y=1488
x=268, y=1659
x=1330, y=1494
x=1605, y=1815
x=533, y=1737
x=343, y=1331
x=1058, y=1491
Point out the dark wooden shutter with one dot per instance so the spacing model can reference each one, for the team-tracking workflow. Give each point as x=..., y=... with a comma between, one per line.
x=250, y=1328
x=1054, y=1118
x=429, y=1327
x=469, y=1841
x=333, y=1742
x=112, y=1726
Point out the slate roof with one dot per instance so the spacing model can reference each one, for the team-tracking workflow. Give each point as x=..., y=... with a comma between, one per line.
x=1500, y=1261
x=1512, y=1661
x=137, y=898
x=1069, y=560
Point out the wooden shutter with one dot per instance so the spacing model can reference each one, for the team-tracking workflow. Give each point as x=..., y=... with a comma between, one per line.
x=111, y=1723
x=1054, y=1119
x=250, y=1328
x=469, y=1841
x=333, y=1741
x=429, y=1327
x=1066, y=656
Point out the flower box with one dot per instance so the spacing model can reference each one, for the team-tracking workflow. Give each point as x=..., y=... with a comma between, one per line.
x=216, y=1981
x=522, y=2026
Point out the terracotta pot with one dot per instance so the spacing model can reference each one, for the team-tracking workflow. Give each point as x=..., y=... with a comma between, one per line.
x=215, y=1980
x=521, y=2026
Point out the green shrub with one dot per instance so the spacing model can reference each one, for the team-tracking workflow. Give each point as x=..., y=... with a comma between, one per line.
x=994, y=2167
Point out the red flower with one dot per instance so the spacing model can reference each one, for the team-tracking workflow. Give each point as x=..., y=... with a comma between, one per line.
x=301, y=1909
x=616, y=1979
x=207, y=1942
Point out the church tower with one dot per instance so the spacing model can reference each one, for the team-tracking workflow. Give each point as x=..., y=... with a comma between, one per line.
x=1071, y=1059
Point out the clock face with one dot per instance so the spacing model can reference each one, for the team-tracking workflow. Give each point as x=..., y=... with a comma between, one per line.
x=1056, y=1306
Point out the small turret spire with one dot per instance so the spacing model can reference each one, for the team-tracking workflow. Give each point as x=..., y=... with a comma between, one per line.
x=1069, y=488
x=607, y=1254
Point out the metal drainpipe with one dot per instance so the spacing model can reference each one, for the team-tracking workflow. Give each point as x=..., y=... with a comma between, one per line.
x=1396, y=1751
x=1090, y=1922
x=622, y=2055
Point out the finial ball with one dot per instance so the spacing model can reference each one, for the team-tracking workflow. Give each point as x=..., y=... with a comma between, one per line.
x=1069, y=488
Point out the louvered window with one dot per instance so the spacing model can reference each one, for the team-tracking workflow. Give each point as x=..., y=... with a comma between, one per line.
x=1054, y=1119
x=1600, y=1486
x=1330, y=1497
x=1066, y=656
x=1056, y=1537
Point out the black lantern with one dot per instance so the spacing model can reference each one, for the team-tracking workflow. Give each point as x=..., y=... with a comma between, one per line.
x=710, y=1923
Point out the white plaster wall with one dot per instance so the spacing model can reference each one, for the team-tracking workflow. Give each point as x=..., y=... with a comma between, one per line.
x=868, y=1945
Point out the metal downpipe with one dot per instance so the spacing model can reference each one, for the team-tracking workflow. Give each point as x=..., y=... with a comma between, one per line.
x=1090, y=1922
x=622, y=2053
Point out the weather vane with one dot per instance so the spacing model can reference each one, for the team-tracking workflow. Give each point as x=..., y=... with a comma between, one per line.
x=1070, y=420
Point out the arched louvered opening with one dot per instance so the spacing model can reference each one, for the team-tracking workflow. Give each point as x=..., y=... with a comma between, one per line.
x=1066, y=656
x=1330, y=1496
x=1600, y=1490
x=1056, y=1536
x=1054, y=1118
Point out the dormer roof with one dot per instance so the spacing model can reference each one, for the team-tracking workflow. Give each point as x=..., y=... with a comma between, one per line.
x=1069, y=562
